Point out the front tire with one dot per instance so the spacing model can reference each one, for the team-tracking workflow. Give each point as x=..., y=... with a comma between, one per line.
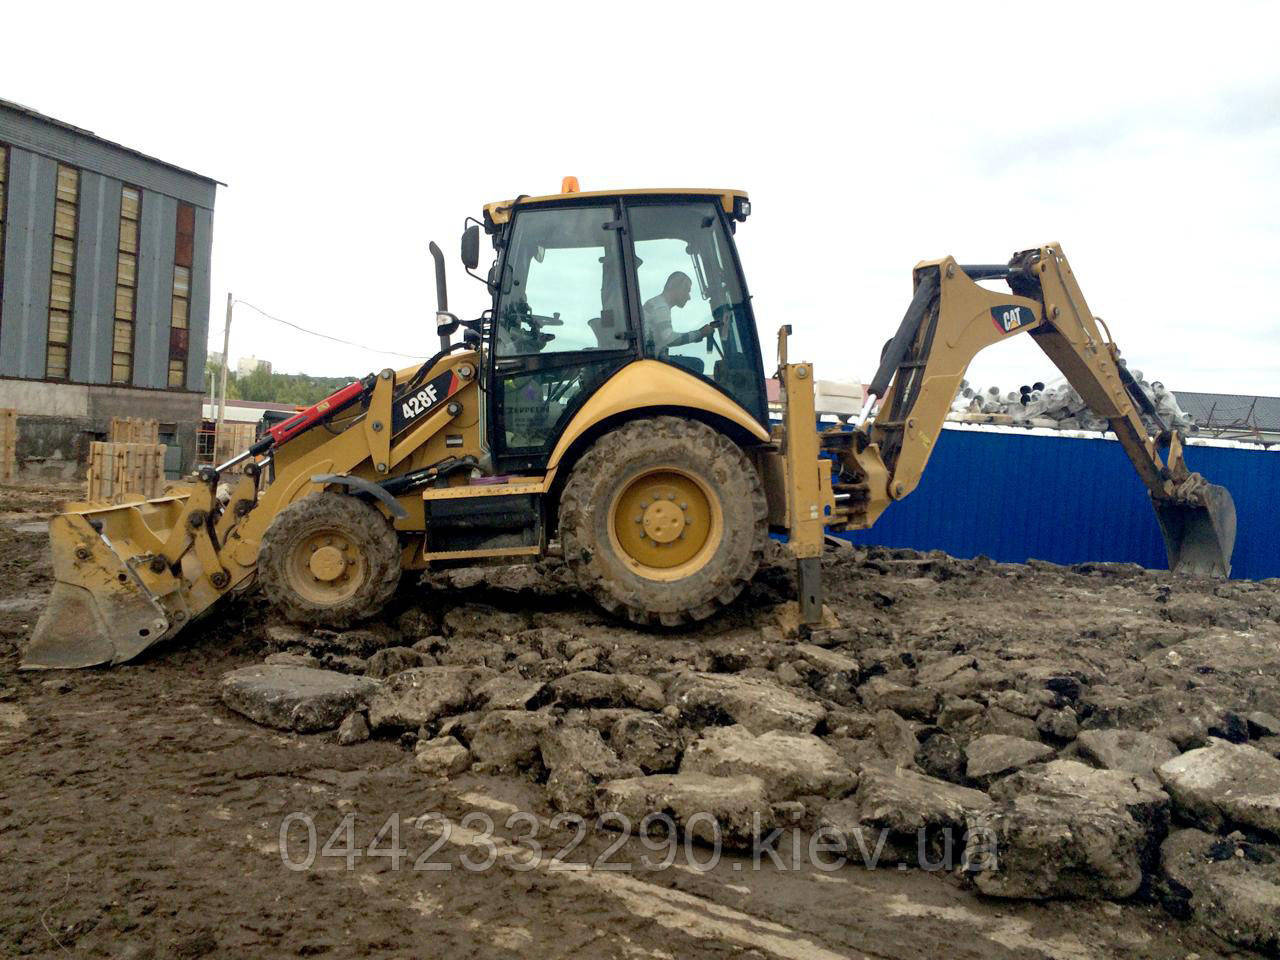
x=663, y=521
x=329, y=560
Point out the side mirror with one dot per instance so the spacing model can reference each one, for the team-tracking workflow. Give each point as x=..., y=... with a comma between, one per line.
x=471, y=247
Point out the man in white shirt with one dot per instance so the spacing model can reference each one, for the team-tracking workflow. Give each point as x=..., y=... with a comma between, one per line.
x=657, y=315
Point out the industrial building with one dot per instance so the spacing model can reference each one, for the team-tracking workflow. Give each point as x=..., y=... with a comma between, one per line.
x=104, y=291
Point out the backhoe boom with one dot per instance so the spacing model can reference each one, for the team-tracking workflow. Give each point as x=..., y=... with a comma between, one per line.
x=950, y=319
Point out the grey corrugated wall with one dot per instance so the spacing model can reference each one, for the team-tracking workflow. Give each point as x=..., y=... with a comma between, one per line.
x=155, y=290
x=28, y=252
x=97, y=239
x=199, y=317
x=21, y=130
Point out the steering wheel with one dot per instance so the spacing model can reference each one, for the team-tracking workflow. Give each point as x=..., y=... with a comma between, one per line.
x=537, y=321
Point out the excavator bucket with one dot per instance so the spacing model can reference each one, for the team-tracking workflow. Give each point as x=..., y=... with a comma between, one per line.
x=100, y=611
x=1200, y=537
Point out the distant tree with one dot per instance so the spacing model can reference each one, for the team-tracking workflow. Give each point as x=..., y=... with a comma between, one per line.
x=298, y=389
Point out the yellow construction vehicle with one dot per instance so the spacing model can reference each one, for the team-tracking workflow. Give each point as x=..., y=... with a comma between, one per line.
x=611, y=401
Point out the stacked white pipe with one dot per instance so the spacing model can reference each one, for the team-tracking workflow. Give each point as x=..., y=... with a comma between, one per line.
x=1059, y=405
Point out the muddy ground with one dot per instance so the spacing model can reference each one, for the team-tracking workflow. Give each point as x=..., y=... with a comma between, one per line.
x=139, y=817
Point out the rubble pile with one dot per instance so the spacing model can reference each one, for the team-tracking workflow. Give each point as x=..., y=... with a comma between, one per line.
x=1140, y=759
x=1060, y=406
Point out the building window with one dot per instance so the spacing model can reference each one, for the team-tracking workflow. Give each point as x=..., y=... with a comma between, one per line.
x=62, y=273
x=180, y=310
x=4, y=213
x=126, y=286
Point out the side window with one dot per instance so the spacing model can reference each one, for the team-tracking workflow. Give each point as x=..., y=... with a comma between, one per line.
x=694, y=312
x=561, y=285
x=561, y=325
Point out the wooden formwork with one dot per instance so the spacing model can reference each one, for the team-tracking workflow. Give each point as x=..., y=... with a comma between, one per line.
x=134, y=430
x=8, y=445
x=117, y=469
x=233, y=438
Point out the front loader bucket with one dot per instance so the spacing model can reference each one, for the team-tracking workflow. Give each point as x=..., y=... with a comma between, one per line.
x=100, y=611
x=1200, y=537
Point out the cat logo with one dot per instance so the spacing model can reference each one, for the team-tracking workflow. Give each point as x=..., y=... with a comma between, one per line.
x=1009, y=319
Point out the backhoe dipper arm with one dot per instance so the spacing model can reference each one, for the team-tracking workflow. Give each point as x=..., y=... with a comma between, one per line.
x=950, y=319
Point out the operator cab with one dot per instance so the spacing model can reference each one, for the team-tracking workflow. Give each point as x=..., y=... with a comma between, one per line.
x=586, y=283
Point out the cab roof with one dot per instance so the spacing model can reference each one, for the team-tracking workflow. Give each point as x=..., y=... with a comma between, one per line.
x=500, y=211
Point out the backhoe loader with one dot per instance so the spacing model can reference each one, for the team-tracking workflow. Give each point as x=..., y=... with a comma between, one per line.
x=610, y=404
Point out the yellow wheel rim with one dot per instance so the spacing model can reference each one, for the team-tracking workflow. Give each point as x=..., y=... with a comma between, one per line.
x=327, y=568
x=665, y=523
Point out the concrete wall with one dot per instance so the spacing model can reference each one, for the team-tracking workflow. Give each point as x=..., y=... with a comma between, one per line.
x=58, y=421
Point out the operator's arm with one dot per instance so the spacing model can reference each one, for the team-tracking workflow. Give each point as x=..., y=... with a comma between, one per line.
x=693, y=336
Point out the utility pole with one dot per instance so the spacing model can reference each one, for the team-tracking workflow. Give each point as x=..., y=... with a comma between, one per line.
x=226, y=362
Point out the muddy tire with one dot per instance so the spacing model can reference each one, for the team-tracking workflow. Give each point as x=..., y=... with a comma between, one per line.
x=663, y=521
x=329, y=560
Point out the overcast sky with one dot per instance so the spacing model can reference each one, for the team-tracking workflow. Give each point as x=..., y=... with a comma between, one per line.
x=1145, y=139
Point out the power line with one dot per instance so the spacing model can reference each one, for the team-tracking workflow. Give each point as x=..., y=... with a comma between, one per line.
x=325, y=336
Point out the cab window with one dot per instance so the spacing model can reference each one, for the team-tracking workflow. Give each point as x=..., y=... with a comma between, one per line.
x=560, y=326
x=561, y=284
x=694, y=313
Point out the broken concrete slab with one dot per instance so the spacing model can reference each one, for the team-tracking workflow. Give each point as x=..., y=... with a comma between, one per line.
x=441, y=757
x=291, y=660
x=759, y=705
x=790, y=765
x=995, y=754
x=941, y=756
x=1141, y=798
x=999, y=720
x=1230, y=886
x=1069, y=778
x=571, y=789
x=391, y=660
x=509, y=739
x=913, y=818
x=481, y=620
x=895, y=739
x=830, y=674
x=302, y=699
x=915, y=703
x=590, y=688
x=1131, y=750
x=583, y=747
x=423, y=695
x=1059, y=724
x=733, y=811
x=1225, y=784
x=1039, y=847
x=510, y=691
x=651, y=741
x=944, y=668
x=354, y=729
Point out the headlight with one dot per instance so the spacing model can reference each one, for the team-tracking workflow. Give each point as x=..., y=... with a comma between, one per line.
x=741, y=208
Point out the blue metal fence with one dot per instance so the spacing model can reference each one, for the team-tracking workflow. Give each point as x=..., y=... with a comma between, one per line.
x=1069, y=500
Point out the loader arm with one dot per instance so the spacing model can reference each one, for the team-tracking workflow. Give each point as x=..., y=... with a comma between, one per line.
x=949, y=320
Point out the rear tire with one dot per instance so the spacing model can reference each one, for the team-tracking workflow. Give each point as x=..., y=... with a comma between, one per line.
x=663, y=521
x=329, y=560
